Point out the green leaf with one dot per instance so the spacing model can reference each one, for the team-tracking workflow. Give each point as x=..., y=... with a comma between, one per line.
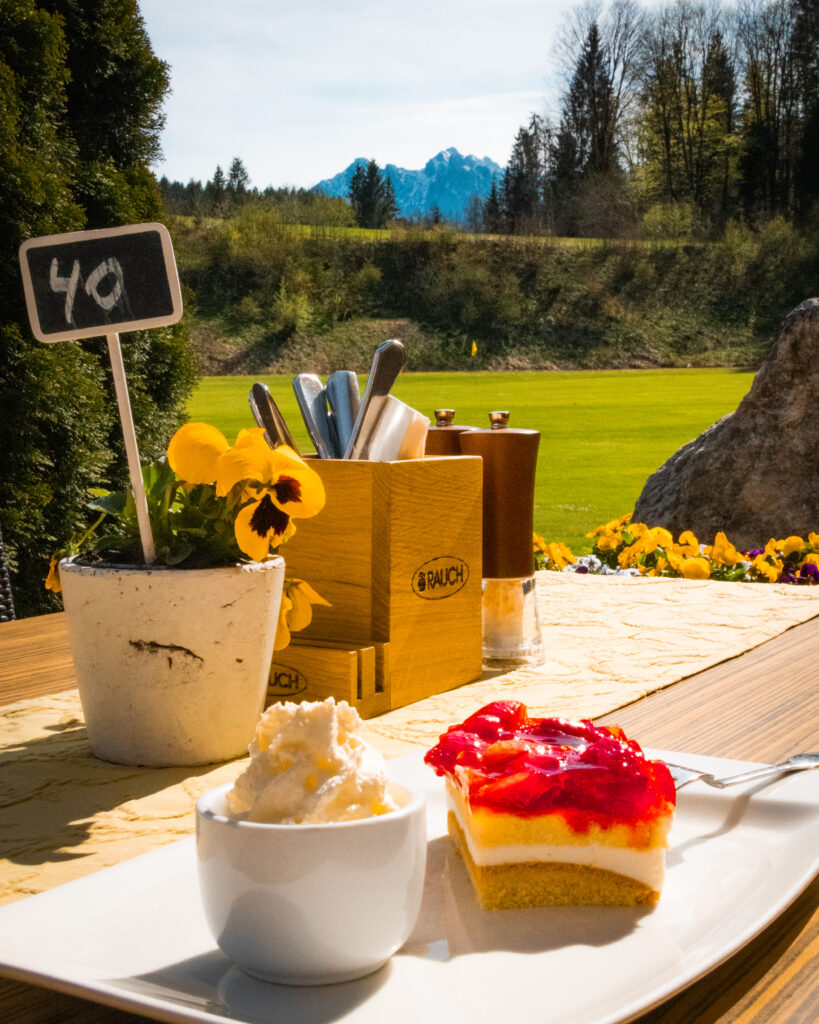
x=179, y=554
x=107, y=542
x=112, y=502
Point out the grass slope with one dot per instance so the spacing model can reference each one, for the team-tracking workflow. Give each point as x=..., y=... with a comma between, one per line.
x=262, y=298
x=602, y=433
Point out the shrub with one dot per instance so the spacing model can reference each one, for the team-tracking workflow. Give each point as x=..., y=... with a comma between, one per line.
x=291, y=311
x=670, y=221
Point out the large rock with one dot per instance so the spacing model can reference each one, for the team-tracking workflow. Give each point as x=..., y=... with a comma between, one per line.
x=755, y=472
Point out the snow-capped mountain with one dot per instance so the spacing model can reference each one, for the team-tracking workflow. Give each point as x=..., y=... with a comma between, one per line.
x=446, y=181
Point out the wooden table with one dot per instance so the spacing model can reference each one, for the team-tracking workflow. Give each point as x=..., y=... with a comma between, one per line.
x=761, y=706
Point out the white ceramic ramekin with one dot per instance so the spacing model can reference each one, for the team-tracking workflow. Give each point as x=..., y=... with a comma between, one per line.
x=311, y=904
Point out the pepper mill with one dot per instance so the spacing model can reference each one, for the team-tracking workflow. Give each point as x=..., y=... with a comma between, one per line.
x=511, y=630
x=442, y=439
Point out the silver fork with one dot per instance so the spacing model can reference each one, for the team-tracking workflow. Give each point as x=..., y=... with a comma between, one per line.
x=799, y=762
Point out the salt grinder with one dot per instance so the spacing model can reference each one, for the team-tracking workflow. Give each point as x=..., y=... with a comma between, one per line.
x=511, y=630
x=442, y=439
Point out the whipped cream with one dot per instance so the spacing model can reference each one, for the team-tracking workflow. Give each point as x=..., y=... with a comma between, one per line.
x=308, y=766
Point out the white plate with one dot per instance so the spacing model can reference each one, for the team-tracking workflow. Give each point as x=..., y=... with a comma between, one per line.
x=133, y=936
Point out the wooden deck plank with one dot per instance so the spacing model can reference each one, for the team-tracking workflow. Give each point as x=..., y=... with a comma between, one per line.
x=762, y=706
x=36, y=658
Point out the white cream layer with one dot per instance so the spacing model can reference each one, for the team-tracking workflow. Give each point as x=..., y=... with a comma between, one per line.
x=646, y=866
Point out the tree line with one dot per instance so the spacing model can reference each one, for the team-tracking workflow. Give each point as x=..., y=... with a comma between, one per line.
x=224, y=195
x=370, y=201
x=673, y=120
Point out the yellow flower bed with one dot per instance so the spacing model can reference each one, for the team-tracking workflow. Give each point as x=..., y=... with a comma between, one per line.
x=621, y=546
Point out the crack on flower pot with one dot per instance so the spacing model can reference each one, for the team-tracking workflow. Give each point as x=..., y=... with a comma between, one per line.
x=152, y=647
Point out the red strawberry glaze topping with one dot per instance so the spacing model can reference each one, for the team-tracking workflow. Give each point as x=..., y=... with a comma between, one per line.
x=506, y=761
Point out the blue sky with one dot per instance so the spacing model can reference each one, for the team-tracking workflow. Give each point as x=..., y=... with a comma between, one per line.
x=299, y=89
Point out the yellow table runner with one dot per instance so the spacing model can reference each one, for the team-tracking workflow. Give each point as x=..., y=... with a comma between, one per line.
x=609, y=641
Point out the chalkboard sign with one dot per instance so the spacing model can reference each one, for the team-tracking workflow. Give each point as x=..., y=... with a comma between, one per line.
x=90, y=283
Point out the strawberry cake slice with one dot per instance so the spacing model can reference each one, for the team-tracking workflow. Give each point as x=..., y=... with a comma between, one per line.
x=551, y=812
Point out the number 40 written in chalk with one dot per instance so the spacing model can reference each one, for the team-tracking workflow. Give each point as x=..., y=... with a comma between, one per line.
x=91, y=283
x=111, y=265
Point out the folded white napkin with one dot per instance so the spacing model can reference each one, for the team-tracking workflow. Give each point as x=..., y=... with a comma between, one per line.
x=400, y=432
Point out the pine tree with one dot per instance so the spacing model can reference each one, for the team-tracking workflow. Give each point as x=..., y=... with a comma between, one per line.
x=493, y=211
x=588, y=109
x=358, y=194
x=566, y=175
x=372, y=196
x=522, y=184
x=585, y=143
x=216, y=193
x=388, y=204
x=238, y=179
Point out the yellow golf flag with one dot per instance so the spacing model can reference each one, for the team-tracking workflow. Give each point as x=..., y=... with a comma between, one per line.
x=474, y=349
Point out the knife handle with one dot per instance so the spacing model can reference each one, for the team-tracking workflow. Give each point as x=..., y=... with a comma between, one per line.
x=267, y=415
x=310, y=395
x=344, y=400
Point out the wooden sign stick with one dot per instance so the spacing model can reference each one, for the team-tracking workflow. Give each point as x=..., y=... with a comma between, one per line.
x=131, y=450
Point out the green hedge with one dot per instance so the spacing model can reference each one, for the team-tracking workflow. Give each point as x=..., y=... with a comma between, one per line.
x=81, y=91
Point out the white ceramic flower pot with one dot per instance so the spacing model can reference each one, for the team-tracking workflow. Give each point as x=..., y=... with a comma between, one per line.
x=172, y=664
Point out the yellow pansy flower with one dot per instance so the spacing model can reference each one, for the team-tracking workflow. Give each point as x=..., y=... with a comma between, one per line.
x=813, y=540
x=566, y=552
x=660, y=537
x=675, y=558
x=250, y=436
x=278, y=483
x=722, y=551
x=295, y=610
x=688, y=543
x=559, y=553
x=648, y=540
x=194, y=451
x=695, y=568
x=791, y=544
x=609, y=541
x=812, y=559
x=609, y=527
x=771, y=548
x=52, y=580
x=628, y=556
x=767, y=569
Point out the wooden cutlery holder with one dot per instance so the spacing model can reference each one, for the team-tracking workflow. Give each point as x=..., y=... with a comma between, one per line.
x=397, y=551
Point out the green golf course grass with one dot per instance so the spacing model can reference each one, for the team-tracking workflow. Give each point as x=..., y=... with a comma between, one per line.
x=602, y=433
